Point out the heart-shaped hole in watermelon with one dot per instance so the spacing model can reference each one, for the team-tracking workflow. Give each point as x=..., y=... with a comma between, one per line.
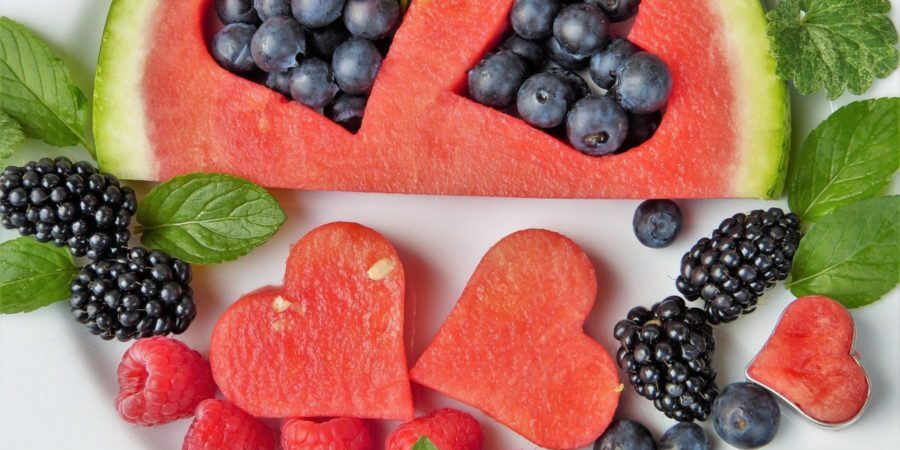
x=323, y=54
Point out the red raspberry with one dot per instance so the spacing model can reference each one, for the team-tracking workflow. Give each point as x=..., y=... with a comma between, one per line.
x=161, y=380
x=219, y=425
x=336, y=434
x=448, y=429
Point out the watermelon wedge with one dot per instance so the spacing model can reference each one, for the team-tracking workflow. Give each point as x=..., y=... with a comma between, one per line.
x=163, y=107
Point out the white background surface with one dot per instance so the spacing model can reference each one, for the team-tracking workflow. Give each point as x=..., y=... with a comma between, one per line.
x=57, y=383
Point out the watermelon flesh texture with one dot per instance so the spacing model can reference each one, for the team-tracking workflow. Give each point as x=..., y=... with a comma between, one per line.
x=163, y=107
x=329, y=343
x=514, y=346
x=808, y=360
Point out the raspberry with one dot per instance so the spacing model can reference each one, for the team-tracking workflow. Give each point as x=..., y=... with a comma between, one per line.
x=161, y=380
x=336, y=434
x=219, y=425
x=448, y=429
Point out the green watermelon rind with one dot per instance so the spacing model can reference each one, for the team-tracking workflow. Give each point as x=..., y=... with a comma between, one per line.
x=120, y=122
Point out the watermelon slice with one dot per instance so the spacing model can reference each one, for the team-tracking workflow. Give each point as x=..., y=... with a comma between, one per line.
x=163, y=107
x=514, y=345
x=329, y=343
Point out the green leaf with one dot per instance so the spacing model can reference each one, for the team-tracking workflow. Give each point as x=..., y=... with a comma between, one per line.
x=850, y=157
x=424, y=444
x=10, y=134
x=836, y=44
x=33, y=275
x=851, y=254
x=37, y=90
x=208, y=218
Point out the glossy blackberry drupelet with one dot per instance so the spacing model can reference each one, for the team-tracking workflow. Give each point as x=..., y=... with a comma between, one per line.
x=742, y=258
x=666, y=352
x=136, y=294
x=68, y=204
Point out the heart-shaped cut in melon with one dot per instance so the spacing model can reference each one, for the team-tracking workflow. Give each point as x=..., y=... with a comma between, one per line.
x=809, y=362
x=514, y=346
x=329, y=343
x=163, y=107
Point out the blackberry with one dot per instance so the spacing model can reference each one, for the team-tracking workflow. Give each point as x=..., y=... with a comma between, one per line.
x=745, y=256
x=667, y=353
x=136, y=294
x=68, y=204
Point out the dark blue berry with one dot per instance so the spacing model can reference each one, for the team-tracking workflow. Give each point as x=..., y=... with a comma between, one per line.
x=563, y=57
x=746, y=415
x=317, y=13
x=278, y=44
x=581, y=28
x=531, y=52
x=323, y=41
x=578, y=83
x=597, y=126
x=355, y=64
x=267, y=9
x=533, y=19
x=657, y=223
x=371, y=19
x=347, y=110
x=605, y=63
x=544, y=100
x=495, y=81
x=625, y=434
x=279, y=82
x=312, y=84
x=618, y=10
x=643, y=83
x=236, y=11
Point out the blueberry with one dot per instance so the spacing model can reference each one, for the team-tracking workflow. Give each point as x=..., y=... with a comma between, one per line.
x=533, y=19
x=267, y=9
x=685, y=436
x=278, y=44
x=231, y=47
x=563, y=57
x=626, y=434
x=641, y=127
x=347, y=110
x=657, y=223
x=325, y=40
x=618, y=10
x=279, y=82
x=312, y=84
x=544, y=100
x=578, y=83
x=643, y=83
x=597, y=126
x=581, y=28
x=236, y=11
x=355, y=64
x=605, y=63
x=531, y=52
x=745, y=415
x=371, y=19
x=496, y=80
x=317, y=13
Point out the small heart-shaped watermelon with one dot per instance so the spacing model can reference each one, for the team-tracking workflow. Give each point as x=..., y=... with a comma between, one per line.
x=808, y=361
x=514, y=346
x=329, y=343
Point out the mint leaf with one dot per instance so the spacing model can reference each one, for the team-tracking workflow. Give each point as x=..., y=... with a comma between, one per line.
x=850, y=157
x=208, y=218
x=851, y=254
x=37, y=90
x=836, y=44
x=424, y=444
x=10, y=134
x=33, y=275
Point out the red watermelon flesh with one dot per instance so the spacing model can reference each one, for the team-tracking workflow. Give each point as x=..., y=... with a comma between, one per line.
x=329, y=343
x=163, y=107
x=514, y=346
x=808, y=361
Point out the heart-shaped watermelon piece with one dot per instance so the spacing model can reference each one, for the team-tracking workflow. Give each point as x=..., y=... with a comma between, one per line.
x=163, y=107
x=329, y=343
x=514, y=346
x=809, y=362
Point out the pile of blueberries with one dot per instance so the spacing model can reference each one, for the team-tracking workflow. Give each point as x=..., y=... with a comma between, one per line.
x=324, y=54
x=536, y=73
